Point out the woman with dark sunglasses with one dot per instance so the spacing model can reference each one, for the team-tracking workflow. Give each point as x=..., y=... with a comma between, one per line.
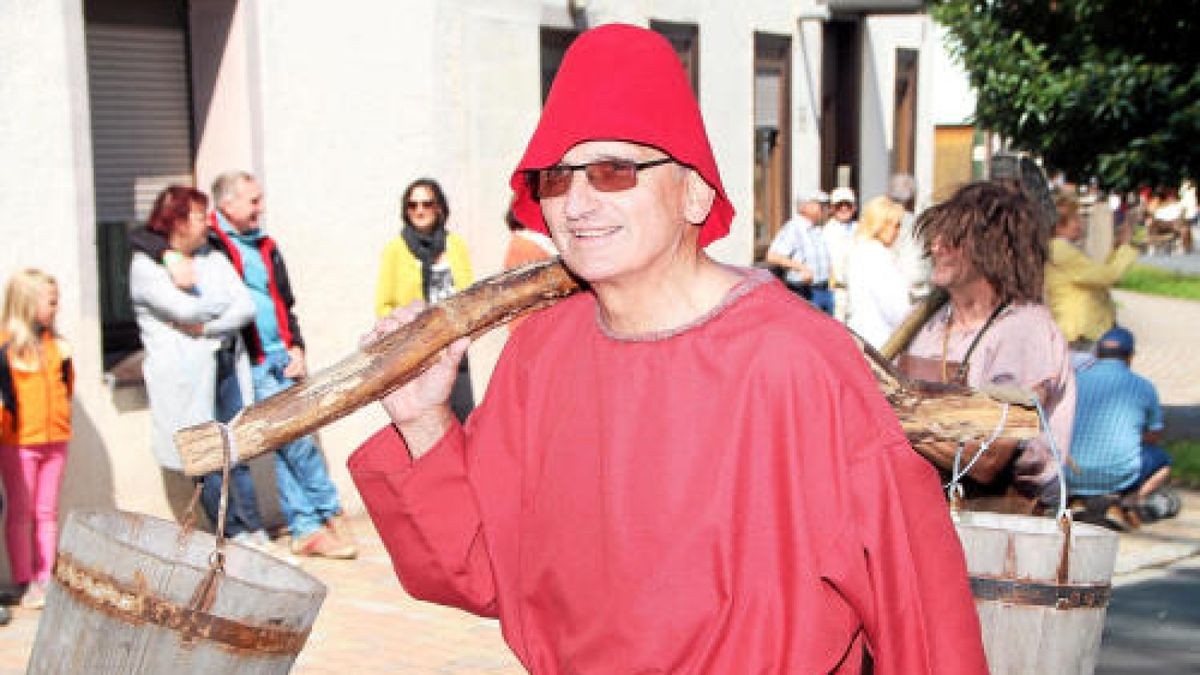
x=426, y=263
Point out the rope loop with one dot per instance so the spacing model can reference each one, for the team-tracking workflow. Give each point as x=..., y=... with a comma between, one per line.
x=957, y=475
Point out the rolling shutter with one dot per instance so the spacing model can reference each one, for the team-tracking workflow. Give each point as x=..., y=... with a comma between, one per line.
x=141, y=116
x=140, y=106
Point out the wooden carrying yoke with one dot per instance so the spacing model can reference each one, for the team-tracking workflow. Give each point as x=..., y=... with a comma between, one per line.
x=373, y=371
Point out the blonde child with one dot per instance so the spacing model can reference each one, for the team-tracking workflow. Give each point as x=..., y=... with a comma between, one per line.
x=36, y=381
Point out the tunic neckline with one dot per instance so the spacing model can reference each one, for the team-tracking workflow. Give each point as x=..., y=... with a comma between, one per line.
x=751, y=279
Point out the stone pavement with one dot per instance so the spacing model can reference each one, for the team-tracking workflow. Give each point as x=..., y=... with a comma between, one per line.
x=369, y=625
x=1168, y=335
x=1166, y=330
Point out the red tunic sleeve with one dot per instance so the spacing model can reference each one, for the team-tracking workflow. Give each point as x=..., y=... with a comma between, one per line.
x=922, y=617
x=427, y=519
x=917, y=612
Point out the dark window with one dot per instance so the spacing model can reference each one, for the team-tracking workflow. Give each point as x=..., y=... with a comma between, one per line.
x=554, y=46
x=685, y=38
x=904, y=120
x=772, y=137
x=840, y=97
x=142, y=136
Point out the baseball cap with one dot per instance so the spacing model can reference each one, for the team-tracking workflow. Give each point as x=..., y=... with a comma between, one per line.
x=1116, y=339
x=842, y=194
x=819, y=196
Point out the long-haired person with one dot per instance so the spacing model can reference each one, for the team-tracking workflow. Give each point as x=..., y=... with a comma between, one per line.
x=36, y=382
x=988, y=248
x=426, y=263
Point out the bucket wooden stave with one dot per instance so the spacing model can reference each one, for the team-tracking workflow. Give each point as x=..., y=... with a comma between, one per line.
x=127, y=597
x=1041, y=611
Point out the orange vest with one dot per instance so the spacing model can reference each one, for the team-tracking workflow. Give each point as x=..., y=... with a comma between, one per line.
x=36, y=403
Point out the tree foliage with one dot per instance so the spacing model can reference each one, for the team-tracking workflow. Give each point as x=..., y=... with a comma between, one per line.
x=1098, y=88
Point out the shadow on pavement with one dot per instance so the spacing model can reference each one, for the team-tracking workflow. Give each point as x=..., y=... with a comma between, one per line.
x=1152, y=625
x=1182, y=422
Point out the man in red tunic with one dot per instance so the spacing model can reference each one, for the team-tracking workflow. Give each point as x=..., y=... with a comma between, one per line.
x=684, y=470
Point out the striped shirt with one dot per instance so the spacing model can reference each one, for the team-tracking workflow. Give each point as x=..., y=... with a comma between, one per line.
x=1115, y=407
x=800, y=240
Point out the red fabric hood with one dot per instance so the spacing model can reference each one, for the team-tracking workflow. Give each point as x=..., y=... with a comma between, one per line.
x=624, y=83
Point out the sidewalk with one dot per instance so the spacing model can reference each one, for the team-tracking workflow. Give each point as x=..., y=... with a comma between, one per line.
x=1166, y=354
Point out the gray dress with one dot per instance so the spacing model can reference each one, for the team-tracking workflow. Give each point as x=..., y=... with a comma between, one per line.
x=181, y=370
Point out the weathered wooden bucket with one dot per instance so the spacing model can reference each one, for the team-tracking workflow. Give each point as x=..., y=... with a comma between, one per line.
x=136, y=594
x=1041, y=595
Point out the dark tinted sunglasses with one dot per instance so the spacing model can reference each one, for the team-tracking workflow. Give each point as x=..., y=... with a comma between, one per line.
x=606, y=175
x=422, y=203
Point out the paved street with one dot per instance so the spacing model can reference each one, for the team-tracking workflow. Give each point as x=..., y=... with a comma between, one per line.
x=369, y=625
x=1166, y=331
x=1152, y=623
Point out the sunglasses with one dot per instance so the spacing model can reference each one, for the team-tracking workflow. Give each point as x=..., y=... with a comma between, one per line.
x=605, y=175
x=844, y=205
x=420, y=204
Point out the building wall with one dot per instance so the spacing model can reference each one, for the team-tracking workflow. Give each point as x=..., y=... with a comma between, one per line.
x=883, y=35
x=46, y=194
x=337, y=111
x=953, y=100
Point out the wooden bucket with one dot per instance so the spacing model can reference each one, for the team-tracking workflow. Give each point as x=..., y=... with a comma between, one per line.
x=1041, y=605
x=136, y=594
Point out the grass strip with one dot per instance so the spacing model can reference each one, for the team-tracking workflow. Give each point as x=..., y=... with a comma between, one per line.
x=1157, y=281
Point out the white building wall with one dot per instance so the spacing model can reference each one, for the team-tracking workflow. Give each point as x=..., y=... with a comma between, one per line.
x=337, y=111
x=223, y=41
x=953, y=99
x=46, y=196
x=882, y=36
x=806, y=103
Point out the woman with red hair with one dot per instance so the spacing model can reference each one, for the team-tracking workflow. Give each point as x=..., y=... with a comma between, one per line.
x=189, y=310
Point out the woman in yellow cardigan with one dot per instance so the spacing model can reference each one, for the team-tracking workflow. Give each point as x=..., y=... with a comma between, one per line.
x=1077, y=287
x=426, y=263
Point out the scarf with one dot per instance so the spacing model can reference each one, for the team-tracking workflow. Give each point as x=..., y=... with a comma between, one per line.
x=426, y=247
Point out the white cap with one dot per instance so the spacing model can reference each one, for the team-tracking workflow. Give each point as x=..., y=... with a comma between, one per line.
x=814, y=195
x=842, y=194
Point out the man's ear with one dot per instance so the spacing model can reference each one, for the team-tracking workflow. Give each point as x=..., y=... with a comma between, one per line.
x=697, y=199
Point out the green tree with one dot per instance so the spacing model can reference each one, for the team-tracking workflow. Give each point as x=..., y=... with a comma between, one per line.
x=1103, y=88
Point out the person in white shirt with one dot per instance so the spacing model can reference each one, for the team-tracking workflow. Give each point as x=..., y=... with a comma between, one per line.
x=839, y=234
x=909, y=249
x=877, y=287
x=798, y=249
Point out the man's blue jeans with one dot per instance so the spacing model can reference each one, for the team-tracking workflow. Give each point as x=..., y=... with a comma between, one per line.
x=307, y=496
x=242, y=512
x=822, y=299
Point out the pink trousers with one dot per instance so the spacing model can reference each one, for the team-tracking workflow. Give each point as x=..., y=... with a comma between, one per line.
x=32, y=476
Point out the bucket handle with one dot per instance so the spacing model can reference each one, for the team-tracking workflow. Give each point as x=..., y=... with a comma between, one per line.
x=228, y=458
x=1065, y=521
x=954, y=489
x=206, y=591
